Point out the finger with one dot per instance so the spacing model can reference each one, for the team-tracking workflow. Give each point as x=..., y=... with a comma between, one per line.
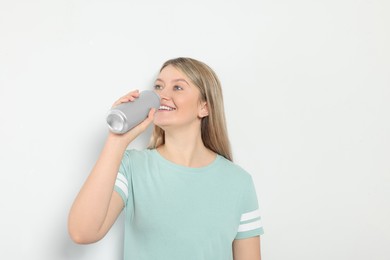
x=129, y=97
x=150, y=117
x=152, y=111
x=143, y=125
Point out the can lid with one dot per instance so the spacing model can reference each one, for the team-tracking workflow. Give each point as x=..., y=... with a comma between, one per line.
x=116, y=122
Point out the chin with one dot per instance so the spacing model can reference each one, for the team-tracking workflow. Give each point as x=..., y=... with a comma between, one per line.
x=161, y=123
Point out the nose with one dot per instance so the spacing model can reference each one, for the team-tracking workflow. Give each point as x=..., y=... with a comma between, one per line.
x=164, y=94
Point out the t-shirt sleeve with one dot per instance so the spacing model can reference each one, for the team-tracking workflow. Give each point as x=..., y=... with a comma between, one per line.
x=250, y=219
x=123, y=183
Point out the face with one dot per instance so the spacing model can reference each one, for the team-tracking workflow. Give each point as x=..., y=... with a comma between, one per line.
x=180, y=100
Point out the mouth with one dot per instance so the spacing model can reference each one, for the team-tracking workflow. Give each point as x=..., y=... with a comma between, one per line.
x=166, y=108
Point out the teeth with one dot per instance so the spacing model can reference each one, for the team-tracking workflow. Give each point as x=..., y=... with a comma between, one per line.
x=166, y=108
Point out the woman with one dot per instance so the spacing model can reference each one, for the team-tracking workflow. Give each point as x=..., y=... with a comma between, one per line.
x=183, y=197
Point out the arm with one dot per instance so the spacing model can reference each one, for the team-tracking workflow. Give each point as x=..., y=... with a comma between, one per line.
x=247, y=249
x=97, y=206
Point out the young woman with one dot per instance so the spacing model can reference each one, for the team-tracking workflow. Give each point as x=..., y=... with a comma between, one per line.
x=183, y=197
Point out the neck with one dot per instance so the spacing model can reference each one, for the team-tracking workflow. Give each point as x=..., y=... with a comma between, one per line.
x=186, y=148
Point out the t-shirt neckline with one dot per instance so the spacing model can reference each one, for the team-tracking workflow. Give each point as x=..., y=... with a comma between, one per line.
x=183, y=168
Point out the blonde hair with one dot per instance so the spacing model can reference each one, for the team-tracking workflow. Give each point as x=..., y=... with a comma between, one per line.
x=213, y=127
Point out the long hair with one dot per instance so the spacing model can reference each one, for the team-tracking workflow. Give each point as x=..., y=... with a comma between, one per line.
x=213, y=127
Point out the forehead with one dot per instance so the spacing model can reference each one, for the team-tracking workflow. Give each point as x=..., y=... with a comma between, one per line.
x=170, y=72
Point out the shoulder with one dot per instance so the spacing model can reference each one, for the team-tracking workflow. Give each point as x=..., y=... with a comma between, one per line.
x=133, y=157
x=235, y=171
x=134, y=154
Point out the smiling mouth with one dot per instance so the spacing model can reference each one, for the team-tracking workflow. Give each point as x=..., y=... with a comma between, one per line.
x=166, y=108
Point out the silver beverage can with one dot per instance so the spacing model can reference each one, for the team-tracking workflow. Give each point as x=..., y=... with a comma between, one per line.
x=122, y=118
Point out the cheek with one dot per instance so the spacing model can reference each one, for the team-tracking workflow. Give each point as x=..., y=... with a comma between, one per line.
x=189, y=107
x=187, y=102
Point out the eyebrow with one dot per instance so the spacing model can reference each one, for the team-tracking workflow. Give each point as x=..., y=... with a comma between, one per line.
x=175, y=80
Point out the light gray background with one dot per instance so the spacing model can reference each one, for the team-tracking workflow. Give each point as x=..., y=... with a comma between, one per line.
x=307, y=91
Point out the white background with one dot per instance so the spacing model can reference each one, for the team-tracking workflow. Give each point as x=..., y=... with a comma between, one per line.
x=307, y=96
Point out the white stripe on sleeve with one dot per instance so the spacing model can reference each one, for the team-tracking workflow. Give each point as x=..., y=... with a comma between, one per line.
x=121, y=183
x=250, y=215
x=250, y=226
x=121, y=177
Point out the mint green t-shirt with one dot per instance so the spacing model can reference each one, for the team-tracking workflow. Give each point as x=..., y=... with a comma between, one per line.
x=173, y=212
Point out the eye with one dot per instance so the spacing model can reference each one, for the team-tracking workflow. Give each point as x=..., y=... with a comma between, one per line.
x=176, y=87
x=158, y=87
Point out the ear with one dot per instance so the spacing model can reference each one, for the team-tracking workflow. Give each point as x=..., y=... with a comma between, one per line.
x=203, y=110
